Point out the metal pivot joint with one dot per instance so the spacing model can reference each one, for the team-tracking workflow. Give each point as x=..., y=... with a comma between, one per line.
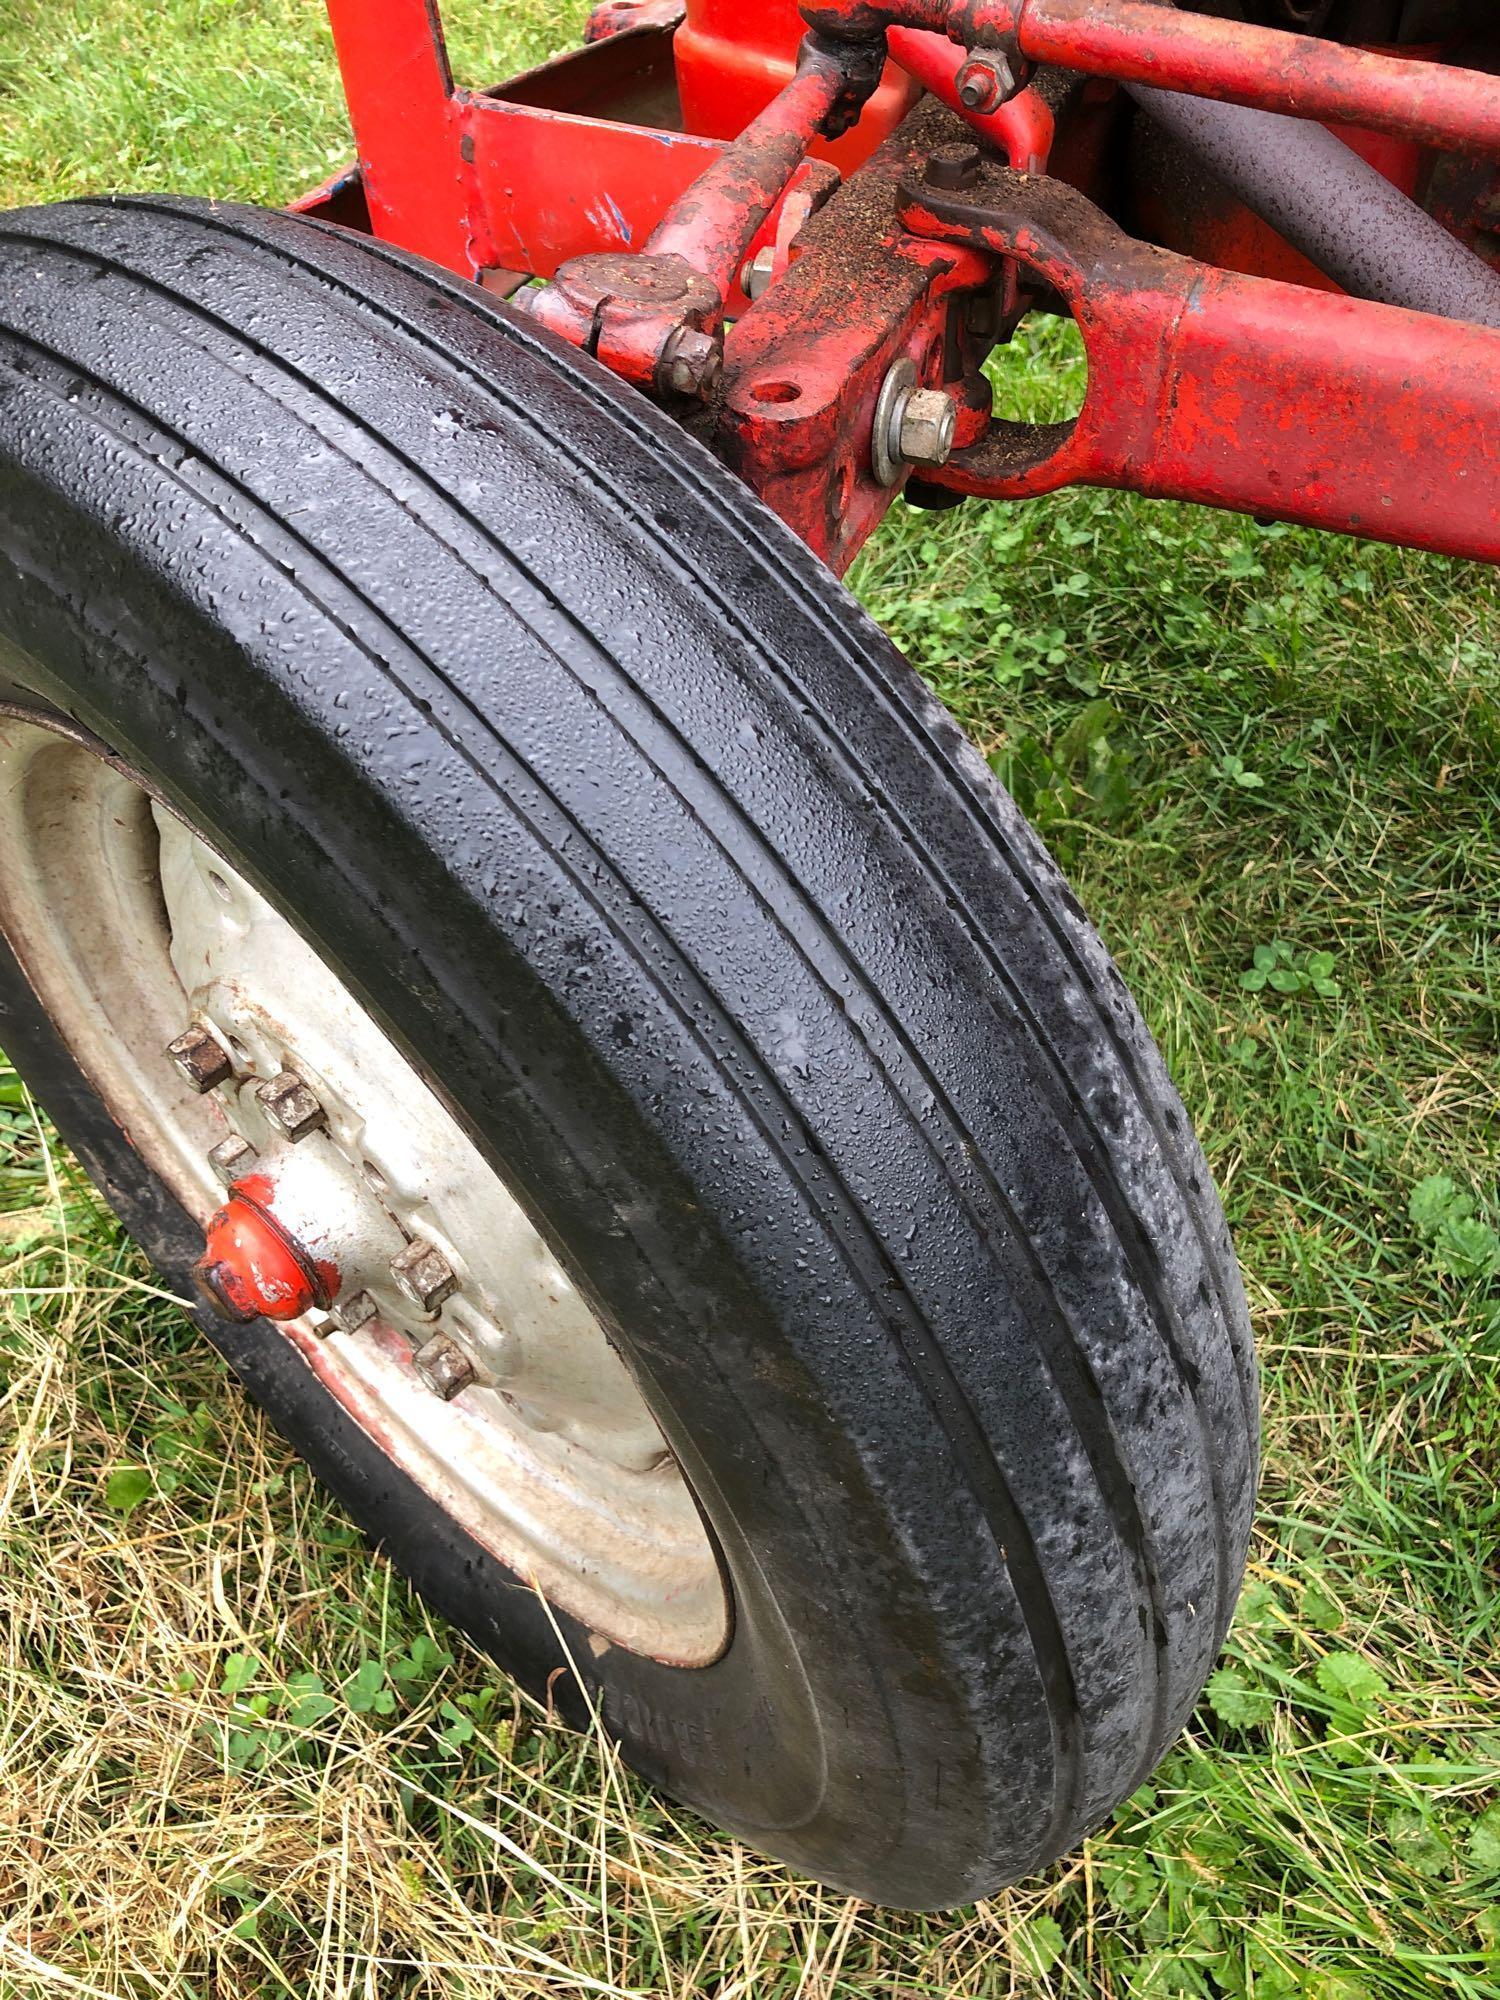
x=912, y=426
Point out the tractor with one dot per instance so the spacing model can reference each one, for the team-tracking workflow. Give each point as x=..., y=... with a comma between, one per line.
x=614, y=1074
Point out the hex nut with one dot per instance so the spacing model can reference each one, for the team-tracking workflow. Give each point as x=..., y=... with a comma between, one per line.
x=291, y=1107
x=350, y=1314
x=201, y=1059
x=443, y=1366
x=985, y=82
x=928, y=423
x=691, y=364
x=424, y=1274
x=231, y=1158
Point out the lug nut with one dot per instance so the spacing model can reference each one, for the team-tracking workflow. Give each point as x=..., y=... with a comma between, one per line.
x=291, y=1107
x=443, y=1366
x=425, y=1275
x=928, y=422
x=201, y=1058
x=231, y=1158
x=350, y=1314
x=985, y=83
x=953, y=168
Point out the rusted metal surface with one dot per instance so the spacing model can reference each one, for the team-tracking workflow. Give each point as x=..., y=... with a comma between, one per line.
x=1022, y=130
x=804, y=370
x=620, y=17
x=1141, y=41
x=1236, y=392
x=655, y=318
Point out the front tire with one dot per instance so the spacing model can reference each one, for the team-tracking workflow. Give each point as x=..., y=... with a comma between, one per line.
x=649, y=854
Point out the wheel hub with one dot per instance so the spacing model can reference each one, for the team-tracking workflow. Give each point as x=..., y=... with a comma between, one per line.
x=341, y=1200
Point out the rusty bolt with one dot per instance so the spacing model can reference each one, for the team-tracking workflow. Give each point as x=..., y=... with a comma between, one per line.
x=953, y=168
x=231, y=1158
x=443, y=1366
x=985, y=83
x=350, y=1314
x=755, y=279
x=424, y=1274
x=201, y=1058
x=928, y=422
x=291, y=1107
x=691, y=364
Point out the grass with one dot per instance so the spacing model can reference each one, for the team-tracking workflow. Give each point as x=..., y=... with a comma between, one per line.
x=237, y=1758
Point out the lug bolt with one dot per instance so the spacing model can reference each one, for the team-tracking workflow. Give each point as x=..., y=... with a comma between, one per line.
x=350, y=1314
x=691, y=364
x=443, y=1366
x=231, y=1158
x=201, y=1058
x=953, y=168
x=985, y=83
x=928, y=423
x=424, y=1274
x=291, y=1107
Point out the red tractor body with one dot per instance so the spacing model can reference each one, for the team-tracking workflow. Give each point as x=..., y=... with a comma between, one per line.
x=754, y=214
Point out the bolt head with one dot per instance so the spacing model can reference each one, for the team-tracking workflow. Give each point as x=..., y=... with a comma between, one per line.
x=443, y=1366
x=202, y=1059
x=951, y=168
x=691, y=364
x=291, y=1107
x=350, y=1314
x=232, y=1158
x=928, y=423
x=425, y=1275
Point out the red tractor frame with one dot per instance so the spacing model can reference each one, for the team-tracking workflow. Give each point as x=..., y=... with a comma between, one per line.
x=806, y=233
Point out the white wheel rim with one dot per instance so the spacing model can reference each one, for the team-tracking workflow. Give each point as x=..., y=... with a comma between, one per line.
x=132, y=928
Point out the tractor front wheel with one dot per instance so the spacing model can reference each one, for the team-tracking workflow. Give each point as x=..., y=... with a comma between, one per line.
x=638, y=1106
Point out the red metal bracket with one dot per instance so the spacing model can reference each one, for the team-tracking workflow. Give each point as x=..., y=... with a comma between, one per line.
x=1236, y=392
x=804, y=370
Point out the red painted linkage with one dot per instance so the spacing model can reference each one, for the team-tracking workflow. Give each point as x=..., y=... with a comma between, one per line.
x=1206, y=386
x=1237, y=392
x=1142, y=41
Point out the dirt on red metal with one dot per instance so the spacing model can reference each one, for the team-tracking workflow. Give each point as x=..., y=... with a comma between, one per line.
x=1236, y=392
x=688, y=147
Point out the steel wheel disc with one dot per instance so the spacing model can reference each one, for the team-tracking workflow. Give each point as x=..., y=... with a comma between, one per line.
x=132, y=929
